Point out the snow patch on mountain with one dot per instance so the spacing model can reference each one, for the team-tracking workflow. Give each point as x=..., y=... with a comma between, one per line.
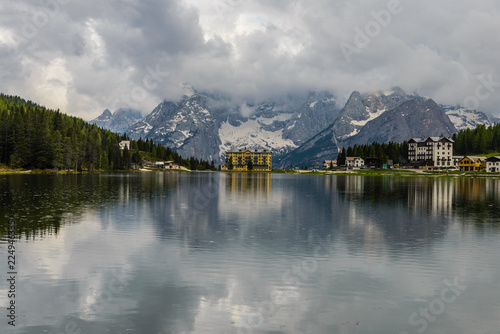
x=464, y=118
x=371, y=117
x=251, y=134
x=349, y=135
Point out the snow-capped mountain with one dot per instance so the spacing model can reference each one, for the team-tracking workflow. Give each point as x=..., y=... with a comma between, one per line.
x=207, y=126
x=363, y=108
x=119, y=121
x=464, y=118
x=414, y=118
x=189, y=127
x=299, y=130
x=357, y=123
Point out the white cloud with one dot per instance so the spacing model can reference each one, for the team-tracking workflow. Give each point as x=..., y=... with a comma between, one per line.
x=252, y=49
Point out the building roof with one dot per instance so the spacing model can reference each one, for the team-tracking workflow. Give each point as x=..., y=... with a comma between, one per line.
x=252, y=150
x=352, y=158
x=432, y=139
x=494, y=158
x=475, y=159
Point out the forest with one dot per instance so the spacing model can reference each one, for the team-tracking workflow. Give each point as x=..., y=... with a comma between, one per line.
x=397, y=152
x=34, y=137
x=480, y=140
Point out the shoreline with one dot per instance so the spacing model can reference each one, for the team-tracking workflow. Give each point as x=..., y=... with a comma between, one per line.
x=369, y=172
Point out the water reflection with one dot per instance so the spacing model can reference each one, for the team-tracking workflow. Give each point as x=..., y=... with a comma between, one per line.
x=217, y=253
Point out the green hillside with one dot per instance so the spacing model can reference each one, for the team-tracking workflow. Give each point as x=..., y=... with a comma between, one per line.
x=34, y=137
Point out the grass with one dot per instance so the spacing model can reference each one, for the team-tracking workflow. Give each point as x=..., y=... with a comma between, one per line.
x=443, y=172
x=489, y=155
x=384, y=172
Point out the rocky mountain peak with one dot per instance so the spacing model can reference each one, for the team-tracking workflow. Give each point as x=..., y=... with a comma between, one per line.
x=119, y=121
x=105, y=114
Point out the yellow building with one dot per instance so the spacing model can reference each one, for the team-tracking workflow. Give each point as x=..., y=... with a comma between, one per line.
x=242, y=160
x=472, y=164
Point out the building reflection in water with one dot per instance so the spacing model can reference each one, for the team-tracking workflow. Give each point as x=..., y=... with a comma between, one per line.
x=248, y=184
x=435, y=195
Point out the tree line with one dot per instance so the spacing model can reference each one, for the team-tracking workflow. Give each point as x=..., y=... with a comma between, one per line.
x=397, y=152
x=480, y=140
x=32, y=136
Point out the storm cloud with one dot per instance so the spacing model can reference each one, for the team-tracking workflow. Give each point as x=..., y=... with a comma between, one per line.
x=85, y=56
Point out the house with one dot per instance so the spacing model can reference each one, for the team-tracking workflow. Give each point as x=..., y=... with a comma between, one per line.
x=124, y=143
x=223, y=167
x=472, y=164
x=171, y=165
x=259, y=160
x=431, y=151
x=354, y=162
x=493, y=164
x=329, y=163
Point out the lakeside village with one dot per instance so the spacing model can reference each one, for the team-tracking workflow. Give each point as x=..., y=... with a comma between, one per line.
x=432, y=153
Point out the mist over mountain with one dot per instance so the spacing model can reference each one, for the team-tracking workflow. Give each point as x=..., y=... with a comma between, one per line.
x=300, y=130
x=208, y=125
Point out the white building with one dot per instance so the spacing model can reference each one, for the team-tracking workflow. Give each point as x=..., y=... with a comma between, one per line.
x=493, y=164
x=432, y=151
x=354, y=162
x=329, y=163
x=124, y=143
x=171, y=165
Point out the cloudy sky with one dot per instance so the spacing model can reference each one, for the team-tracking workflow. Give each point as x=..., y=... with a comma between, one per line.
x=85, y=56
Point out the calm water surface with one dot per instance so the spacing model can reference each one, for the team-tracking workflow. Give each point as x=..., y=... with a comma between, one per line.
x=258, y=253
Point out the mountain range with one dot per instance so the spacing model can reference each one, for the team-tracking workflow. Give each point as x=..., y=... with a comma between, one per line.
x=119, y=121
x=299, y=130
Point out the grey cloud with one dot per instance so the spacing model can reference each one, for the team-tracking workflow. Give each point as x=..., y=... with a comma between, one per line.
x=250, y=49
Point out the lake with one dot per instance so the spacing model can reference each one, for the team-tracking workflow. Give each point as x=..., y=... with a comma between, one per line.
x=250, y=253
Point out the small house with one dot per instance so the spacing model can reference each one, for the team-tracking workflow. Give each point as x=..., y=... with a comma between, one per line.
x=123, y=144
x=472, y=164
x=171, y=165
x=493, y=164
x=329, y=163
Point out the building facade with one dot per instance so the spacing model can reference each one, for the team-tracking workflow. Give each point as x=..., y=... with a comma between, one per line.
x=329, y=163
x=472, y=164
x=354, y=162
x=432, y=151
x=493, y=164
x=244, y=159
x=123, y=144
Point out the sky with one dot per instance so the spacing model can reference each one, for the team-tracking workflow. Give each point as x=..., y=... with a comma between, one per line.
x=85, y=56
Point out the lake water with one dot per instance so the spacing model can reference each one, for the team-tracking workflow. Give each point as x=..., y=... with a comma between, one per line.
x=251, y=253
